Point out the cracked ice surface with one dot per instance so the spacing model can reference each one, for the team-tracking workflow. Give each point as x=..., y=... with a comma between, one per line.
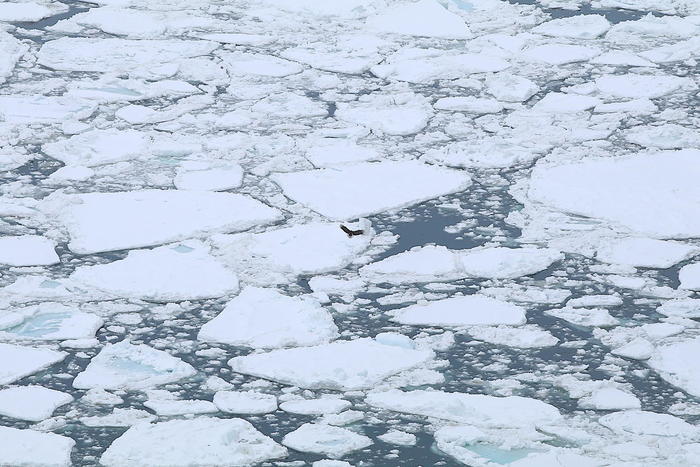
x=175, y=287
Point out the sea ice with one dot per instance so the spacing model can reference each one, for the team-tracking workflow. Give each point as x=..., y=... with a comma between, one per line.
x=645, y=252
x=401, y=115
x=11, y=50
x=666, y=136
x=325, y=439
x=113, y=221
x=312, y=248
x=31, y=448
x=244, y=64
x=48, y=321
x=347, y=365
x=425, y=18
x=117, y=55
x=326, y=405
x=420, y=264
x=399, y=438
x=690, y=276
x=470, y=310
x=609, y=398
x=333, y=152
x=214, y=179
x=29, y=11
x=575, y=27
x=20, y=361
x=199, y=441
x=369, y=188
x=560, y=54
x=638, y=422
x=266, y=318
x=127, y=366
x=99, y=147
x=507, y=263
x=596, y=317
x=27, y=250
x=476, y=105
x=646, y=189
x=560, y=103
x=675, y=364
x=32, y=403
x=167, y=273
x=245, y=402
x=635, y=86
x=477, y=409
x=26, y=109
x=511, y=88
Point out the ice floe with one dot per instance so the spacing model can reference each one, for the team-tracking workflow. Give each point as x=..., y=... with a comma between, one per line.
x=27, y=250
x=209, y=441
x=348, y=365
x=20, y=361
x=168, y=273
x=34, y=448
x=266, y=318
x=245, y=402
x=128, y=366
x=113, y=221
x=33, y=403
x=369, y=188
x=48, y=321
x=325, y=439
x=426, y=18
x=469, y=310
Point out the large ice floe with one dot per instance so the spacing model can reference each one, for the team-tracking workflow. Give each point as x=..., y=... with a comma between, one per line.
x=357, y=232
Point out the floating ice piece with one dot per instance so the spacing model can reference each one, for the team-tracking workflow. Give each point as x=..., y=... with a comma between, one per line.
x=575, y=27
x=266, y=318
x=27, y=250
x=29, y=11
x=289, y=106
x=675, y=364
x=426, y=66
x=11, y=50
x=300, y=249
x=245, y=402
x=609, y=398
x=32, y=403
x=525, y=337
x=470, y=310
x=32, y=448
x=48, y=321
x=637, y=349
x=20, y=110
x=557, y=458
x=560, y=103
x=477, y=409
x=635, y=86
x=646, y=189
x=348, y=54
x=161, y=274
x=685, y=308
x=399, y=438
x=369, y=188
x=421, y=264
x=119, y=418
x=117, y=55
x=494, y=152
x=636, y=107
x=335, y=286
x=113, y=221
x=127, y=366
x=507, y=263
x=680, y=51
x=346, y=9
x=666, y=136
x=401, y=117
x=346, y=365
x=690, y=276
x=523, y=294
x=560, y=54
x=329, y=440
x=20, y=361
x=321, y=406
x=99, y=147
x=639, y=422
x=333, y=152
x=173, y=407
x=204, y=441
x=426, y=18
x=477, y=105
x=621, y=58
x=645, y=252
x=244, y=64
x=595, y=317
x=510, y=88
x=214, y=179
x=595, y=300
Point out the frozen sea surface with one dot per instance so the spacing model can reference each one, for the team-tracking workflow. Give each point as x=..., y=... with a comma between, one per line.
x=176, y=289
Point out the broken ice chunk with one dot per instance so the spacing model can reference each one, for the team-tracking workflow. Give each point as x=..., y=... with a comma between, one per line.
x=369, y=188
x=245, y=402
x=266, y=318
x=33, y=403
x=213, y=442
x=507, y=263
x=27, y=250
x=470, y=310
x=20, y=361
x=346, y=365
x=48, y=321
x=425, y=18
x=645, y=252
x=162, y=274
x=325, y=439
x=127, y=366
x=33, y=448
